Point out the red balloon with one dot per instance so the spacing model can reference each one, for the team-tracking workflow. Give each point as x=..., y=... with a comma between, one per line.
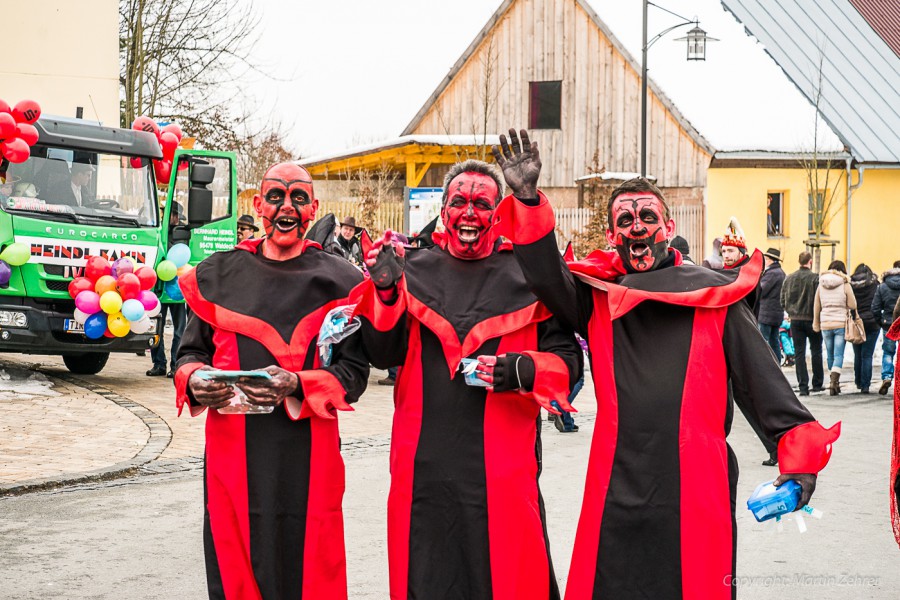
x=146, y=124
x=96, y=267
x=28, y=133
x=169, y=142
x=147, y=277
x=80, y=284
x=4, y=107
x=136, y=162
x=163, y=170
x=7, y=126
x=108, y=333
x=15, y=150
x=174, y=129
x=128, y=286
x=26, y=111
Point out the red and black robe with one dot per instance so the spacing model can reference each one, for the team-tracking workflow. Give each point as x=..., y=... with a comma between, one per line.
x=273, y=525
x=465, y=513
x=657, y=519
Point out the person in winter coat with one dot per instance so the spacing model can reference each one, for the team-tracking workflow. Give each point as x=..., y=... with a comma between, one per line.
x=885, y=298
x=834, y=297
x=798, y=296
x=864, y=283
x=771, y=312
x=714, y=260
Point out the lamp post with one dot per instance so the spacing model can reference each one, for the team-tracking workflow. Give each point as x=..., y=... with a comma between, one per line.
x=696, y=50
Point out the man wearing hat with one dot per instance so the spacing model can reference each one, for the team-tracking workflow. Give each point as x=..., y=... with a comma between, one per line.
x=771, y=311
x=734, y=248
x=246, y=228
x=348, y=241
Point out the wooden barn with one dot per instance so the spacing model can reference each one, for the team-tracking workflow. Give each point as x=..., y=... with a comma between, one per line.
x=555, y=68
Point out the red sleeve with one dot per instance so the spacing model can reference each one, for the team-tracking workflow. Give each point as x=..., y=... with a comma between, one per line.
x=806, y=448
x=521, y=223
x=551, y=377
x=182, y=376
x=320, y=388
x=370, y=305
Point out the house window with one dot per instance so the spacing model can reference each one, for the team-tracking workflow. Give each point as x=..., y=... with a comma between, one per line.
x=817, y=216
x=544, y=104
x=775, y=214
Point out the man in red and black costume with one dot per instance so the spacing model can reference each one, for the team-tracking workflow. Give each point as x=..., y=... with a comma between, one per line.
x=273, y=526
x=665, y=339
x=465, y=513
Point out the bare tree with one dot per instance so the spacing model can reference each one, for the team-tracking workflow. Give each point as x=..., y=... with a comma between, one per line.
x=258, y=151
x=175, y=54
x=371, y=189
x=821, y=182
x=596, y=195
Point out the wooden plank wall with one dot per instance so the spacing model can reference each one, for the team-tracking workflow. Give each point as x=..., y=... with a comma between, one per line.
x=550, y=40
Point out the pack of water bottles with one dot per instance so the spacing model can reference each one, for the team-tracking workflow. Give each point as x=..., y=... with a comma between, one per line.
x=770, y=502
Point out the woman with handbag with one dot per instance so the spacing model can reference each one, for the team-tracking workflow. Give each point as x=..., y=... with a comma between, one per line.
x=864, y=283
x=834, y=298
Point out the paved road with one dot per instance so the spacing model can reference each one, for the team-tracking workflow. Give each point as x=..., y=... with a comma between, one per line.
x=139, y=537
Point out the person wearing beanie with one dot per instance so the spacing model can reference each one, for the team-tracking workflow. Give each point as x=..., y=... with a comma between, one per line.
x=681, y=244
x=734, y=248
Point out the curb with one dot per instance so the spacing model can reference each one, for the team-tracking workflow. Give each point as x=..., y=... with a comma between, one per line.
x=159, y=439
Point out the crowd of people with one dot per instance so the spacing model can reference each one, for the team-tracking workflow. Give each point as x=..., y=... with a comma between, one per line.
x=484, y=334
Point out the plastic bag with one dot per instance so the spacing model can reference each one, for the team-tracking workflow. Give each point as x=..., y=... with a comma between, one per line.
x=337, y=325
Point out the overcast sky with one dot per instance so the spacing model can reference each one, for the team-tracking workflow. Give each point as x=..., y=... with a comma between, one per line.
x=357, y=71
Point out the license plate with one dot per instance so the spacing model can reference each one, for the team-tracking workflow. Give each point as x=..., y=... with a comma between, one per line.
x=73, y=326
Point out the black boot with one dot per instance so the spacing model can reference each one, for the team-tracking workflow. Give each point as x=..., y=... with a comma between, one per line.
x=773, y=459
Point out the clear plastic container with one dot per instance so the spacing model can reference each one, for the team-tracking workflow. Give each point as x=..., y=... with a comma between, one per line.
x=468, y=367
x=240, y=406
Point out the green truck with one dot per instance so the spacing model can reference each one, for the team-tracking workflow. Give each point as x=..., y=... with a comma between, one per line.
x=90, y=190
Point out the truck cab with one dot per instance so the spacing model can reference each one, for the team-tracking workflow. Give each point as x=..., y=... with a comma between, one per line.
x=90, y=190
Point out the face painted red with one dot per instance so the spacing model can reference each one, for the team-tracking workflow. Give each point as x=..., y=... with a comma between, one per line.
x=467, y=214
x=286, y=205
x=639, y=230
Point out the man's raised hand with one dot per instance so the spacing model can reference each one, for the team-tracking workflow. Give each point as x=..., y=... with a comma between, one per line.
x=385, y=262
x=521, y=163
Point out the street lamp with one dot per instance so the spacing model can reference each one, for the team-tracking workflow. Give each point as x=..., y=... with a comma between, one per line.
x=696, y=50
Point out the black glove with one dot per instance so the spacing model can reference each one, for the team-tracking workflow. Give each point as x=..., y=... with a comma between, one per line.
x=513, y=372
x=388, y=268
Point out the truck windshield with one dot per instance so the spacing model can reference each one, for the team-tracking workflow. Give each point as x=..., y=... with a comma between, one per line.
x=84, y=187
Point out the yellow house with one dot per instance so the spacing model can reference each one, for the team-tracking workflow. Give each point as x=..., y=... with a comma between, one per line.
x=63, y=55
x=854, y=83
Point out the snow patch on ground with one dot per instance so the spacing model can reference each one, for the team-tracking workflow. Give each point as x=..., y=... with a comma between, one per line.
x=20, y=384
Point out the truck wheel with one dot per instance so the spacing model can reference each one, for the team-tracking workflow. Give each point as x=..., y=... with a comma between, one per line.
x=89, y=363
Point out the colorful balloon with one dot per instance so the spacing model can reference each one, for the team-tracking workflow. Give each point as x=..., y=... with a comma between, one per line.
x=95, y=326
x=107, y=283
x=7, y=125
x=179, y=254
x=174, y=290
x=147, y=124
x=122, y=266
x=148, y=300
x=27, y=133
x=154, y=312
x=169, y=142
x=80, y=316
x=142, y=325
x=184, y=270
x=110, y=302
x=26, y=111
x=136, y=162
x=88, y=302
x=133, y=310
x=173, y=129
x=15, y=150
x=16, y=254
x=96, y=267
x=166, y=270
x=128, y=285
x=118, y=325
x=78, y=285
x=4, y=107
x=163, y=170
x=147, y=277
x=5, y=273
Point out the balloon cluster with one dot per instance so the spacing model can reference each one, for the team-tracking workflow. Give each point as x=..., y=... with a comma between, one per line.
x=169, y=137
x=114, y=299
x=17, y=131
x=174, y=266
x=14, y=255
